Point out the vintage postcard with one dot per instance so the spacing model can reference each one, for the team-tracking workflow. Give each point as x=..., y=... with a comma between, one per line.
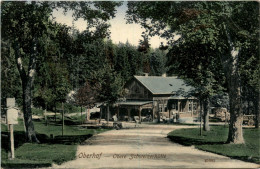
x=130, y=84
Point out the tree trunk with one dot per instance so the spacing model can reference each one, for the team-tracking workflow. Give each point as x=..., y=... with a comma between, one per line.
x=87, y=114
x=100, y=115
x=158, y=112
x=235, y=134
x=27, y=81
x=27, y=100
x=108, y=113
x=55, y=110
x=257, y=110
x=81, y=121
x=231, y=69
x=200, y=117
x=206, y=115
x=45, y=112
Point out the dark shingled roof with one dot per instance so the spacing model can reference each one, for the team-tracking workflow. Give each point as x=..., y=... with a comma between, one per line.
x=163, y=85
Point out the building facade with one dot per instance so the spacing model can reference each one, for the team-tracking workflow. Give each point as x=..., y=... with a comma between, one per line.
x=152, y=98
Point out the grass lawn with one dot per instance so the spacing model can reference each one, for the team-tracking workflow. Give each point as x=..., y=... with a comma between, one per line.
x=57, y=150
x=214, y=141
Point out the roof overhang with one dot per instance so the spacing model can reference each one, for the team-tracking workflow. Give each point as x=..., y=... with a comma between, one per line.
x=133, y=103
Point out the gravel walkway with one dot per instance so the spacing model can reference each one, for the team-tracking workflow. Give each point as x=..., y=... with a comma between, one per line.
x=146, y=147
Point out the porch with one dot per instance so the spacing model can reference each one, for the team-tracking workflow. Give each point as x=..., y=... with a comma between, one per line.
x=134, y=110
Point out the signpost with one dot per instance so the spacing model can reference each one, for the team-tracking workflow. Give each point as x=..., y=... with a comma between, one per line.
x=10, y=102
x=12, y=118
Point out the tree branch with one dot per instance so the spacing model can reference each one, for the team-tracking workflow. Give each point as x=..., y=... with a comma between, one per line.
x=32, y=62
x=18, y=60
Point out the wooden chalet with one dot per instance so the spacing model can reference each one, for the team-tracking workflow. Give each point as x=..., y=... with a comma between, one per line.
x=154, y=97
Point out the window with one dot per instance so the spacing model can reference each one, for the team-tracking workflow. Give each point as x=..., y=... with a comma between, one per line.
x=162, y=108
x=194, y=106
x=190, y=106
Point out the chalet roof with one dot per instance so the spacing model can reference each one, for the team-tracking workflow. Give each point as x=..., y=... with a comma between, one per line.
x=163, y=85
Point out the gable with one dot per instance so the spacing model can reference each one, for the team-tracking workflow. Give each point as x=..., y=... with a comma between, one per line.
x=137, y=91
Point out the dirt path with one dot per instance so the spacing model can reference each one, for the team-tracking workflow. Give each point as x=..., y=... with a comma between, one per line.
x=145, y=147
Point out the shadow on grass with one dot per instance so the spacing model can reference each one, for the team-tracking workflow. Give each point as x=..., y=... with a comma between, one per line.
x=252, y=159
x=70, y=139
x=245, y=158
x=25, y=164
x=191, y=141
x=44, y=139
x=20, y=139
x=59, y=122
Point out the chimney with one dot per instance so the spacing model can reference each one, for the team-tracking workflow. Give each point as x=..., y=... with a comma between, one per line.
x=146, y=74
x=164, y=75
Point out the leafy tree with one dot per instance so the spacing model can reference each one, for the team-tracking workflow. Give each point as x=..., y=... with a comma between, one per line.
x=24, y=28
x=122, y=61
x=87, y=95
x=128, y=61
x=84, y=62
x=134, y=59
x=10, y=83
x=224, y=26
x=191, y=62
x=250, y=70
x=144, y=49
x=158, y=62
x=220, y=100
x=51, y=82
x=144, y=44
x=111, y=86
x=88, y=48
x=27, y=24
x=104, y=80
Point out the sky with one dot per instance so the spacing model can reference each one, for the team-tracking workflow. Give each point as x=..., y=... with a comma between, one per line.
x=120, y=31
